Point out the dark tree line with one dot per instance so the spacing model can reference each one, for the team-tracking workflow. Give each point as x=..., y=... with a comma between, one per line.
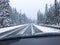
x=51, y=16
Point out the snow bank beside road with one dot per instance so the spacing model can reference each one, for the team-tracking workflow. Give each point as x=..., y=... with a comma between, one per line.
x=47, y=29
x=52, y=26
x=9, y=28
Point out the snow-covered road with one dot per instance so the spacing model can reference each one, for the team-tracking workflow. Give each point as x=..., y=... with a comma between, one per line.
x=47, y=29
x=10, y=28
x=26, y=30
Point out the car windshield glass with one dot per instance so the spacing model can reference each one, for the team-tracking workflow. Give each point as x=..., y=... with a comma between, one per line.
x=22, y=18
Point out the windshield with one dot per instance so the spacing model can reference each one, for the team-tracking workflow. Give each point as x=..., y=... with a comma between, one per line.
x=22, y=18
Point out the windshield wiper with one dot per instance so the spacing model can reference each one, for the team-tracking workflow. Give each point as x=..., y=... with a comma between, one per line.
x=33, y=36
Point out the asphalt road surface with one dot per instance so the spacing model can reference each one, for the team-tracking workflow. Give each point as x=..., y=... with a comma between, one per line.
x=29, y=30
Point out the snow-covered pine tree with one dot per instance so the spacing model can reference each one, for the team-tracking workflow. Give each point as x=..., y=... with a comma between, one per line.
x=5, y=12
x=39, y=17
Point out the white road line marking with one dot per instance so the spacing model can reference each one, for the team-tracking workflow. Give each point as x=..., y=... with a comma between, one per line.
x=22, y=31
x=8, y=34
x=32, y=30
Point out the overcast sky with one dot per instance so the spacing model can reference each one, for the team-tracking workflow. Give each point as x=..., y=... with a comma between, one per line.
x=30, y=7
